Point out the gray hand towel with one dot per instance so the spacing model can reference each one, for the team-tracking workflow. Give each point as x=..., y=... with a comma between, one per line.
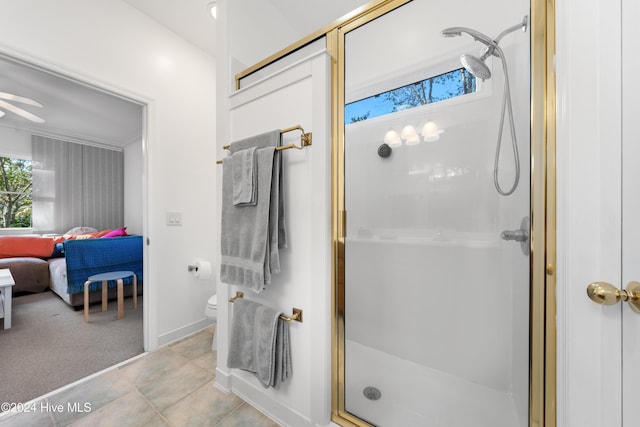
x=241, y=339
x=245, y=176
x=266, y=346
x=259, y=343
x=282, y=367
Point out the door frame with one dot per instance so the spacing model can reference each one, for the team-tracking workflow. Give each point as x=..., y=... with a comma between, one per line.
x=149, y=328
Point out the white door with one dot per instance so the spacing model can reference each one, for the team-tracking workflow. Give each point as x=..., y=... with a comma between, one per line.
x=598, y=351
x=630, y=209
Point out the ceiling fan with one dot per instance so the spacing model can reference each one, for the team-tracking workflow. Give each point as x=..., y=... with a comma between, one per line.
x=16, y=110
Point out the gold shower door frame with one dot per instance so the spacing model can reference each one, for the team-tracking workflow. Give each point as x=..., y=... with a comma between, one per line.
x=542, y=362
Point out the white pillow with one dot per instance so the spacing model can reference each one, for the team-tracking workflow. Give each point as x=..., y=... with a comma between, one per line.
x=81, y=230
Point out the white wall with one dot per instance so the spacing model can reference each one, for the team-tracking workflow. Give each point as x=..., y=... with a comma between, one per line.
x=262, y=28
x=133, y=188
x=298, y=95
x=112, y=45
x=14, y=143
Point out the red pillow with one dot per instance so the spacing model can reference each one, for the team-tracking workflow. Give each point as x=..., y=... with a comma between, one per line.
x=117, y=232
x=26, y=246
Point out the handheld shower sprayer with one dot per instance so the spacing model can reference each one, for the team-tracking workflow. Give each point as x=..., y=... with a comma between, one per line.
x=473, y=64
x=478, y=67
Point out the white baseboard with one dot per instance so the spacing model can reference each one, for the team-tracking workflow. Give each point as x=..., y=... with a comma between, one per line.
x=260, y=399
x=177, y=334
x=223, y=380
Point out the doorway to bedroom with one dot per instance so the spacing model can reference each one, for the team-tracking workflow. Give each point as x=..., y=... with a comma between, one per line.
x=73, y=168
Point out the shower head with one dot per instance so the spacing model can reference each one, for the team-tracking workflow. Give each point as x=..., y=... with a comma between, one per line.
x=476, y=66
x=473, y=64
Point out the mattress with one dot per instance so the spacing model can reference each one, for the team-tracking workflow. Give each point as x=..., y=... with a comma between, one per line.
x=58, y=278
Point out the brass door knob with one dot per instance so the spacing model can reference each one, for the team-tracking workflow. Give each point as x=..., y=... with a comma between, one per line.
x=606, y=294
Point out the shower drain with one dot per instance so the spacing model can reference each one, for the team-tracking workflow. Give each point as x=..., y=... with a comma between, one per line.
x=371, y=393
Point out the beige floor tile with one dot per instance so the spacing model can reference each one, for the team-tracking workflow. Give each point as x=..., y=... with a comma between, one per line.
x=204, y=407
x=35, y=417
x=157, y=421
x=175, y=385
x=96, y=392
x=194, y=346
x=130, y=410
x=153, y=366
x=208, y=361
x=247, y=416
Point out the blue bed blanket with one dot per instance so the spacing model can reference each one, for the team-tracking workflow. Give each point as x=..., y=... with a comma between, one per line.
x=86, y=257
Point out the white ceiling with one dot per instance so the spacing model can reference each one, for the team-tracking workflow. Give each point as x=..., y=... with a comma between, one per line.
x=78, y=111
x=190, y=19
x=70, y=109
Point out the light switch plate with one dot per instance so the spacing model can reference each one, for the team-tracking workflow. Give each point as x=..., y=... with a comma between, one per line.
x=174, y=218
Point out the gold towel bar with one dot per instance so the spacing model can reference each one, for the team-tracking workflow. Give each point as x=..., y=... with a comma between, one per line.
x=297, y=313
x=305, y=140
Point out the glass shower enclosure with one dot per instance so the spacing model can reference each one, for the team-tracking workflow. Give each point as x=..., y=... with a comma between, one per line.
x=435, y=269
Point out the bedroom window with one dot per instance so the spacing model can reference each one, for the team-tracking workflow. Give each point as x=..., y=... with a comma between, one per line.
x=15, y=193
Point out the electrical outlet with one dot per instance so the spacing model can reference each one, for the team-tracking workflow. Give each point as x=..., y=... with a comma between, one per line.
x=174, y=218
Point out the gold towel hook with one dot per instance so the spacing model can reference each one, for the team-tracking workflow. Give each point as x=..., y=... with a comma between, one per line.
x=297, y=316
x=238, y=295
x=305, y=139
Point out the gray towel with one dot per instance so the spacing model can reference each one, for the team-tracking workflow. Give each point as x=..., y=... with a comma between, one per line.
x=277, y=226
x=241, y=354
x=251, y=235
x=245, y=176
x=259, y=343
x=283, y=368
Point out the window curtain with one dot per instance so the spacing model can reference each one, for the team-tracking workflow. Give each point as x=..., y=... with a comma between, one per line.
x=76, y=185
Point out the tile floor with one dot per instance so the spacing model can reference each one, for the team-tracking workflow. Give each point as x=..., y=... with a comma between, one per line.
x=172, y=386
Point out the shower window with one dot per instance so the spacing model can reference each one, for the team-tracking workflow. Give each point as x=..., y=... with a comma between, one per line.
x=448, y=85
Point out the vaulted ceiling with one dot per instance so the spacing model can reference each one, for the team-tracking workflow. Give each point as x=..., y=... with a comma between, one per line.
x=79, y=111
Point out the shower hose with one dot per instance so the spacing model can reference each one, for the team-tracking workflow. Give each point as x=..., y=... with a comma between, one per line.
x=506, y=105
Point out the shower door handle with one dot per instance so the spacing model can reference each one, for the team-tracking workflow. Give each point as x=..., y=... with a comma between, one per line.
x=606, y=294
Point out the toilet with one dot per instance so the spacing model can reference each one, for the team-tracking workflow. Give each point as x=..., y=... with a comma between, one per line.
x=211, y=312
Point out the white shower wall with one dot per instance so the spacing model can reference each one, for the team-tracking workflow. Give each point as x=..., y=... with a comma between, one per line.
x=428, y=278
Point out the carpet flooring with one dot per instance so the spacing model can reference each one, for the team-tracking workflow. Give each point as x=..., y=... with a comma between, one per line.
x=49, y=345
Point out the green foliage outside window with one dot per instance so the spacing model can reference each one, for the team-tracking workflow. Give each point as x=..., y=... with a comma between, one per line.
x=15, y=193
x=437, y=88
